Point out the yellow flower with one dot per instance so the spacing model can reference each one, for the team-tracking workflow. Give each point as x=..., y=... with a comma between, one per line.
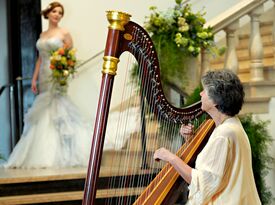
x=181, y=21
x=184, y=28
x=72, y=52
x=56, y=57
x=66, y=73
x=63, y=60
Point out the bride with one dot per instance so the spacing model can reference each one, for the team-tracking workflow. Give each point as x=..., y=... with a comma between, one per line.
x=54, y=134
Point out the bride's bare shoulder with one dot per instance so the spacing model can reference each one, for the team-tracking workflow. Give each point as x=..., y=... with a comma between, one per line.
x=64, y=31
x=43, y=34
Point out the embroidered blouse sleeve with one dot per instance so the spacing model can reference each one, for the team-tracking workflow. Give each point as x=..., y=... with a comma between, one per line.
x=207, y=178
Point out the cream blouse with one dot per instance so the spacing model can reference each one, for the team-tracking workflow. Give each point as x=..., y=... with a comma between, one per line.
x=223, y=173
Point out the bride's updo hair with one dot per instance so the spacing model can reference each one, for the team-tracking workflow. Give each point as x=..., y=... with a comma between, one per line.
x=50, y=7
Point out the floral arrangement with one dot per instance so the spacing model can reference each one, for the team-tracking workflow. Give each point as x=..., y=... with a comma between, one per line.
x=178, y=35
x=182, y=26
x=63, y=65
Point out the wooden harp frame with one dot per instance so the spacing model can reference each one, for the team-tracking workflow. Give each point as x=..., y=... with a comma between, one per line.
x=120, y=39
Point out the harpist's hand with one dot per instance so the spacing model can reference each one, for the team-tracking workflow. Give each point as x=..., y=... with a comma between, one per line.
x=163, y=154
x=34, y=87
x=187, y=131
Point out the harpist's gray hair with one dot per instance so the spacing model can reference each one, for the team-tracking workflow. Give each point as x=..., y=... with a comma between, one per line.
x=225, y=89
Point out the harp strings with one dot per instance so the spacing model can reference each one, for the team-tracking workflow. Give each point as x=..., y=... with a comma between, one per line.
x=136, y=168
x=144, y=52
x=121, y=157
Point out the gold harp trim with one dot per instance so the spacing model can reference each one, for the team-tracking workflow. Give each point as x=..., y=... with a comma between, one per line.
x=117, y=19
x=110, y=65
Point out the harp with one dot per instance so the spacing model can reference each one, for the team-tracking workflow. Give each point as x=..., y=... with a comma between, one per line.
x=125, y=35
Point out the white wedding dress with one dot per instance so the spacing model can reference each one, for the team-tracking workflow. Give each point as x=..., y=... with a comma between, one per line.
x=54, y=134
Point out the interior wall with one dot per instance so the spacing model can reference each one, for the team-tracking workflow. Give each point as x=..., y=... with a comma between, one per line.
x=4, y=79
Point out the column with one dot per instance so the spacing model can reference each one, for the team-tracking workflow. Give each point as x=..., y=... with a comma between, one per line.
x=231, y=59
x=256, y=46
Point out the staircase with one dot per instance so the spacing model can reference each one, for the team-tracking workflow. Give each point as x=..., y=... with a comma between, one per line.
x=260, y=91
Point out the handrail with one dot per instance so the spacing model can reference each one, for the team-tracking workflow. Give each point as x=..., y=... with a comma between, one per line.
x=3, y=87
x=232, y=14
x=89, y=59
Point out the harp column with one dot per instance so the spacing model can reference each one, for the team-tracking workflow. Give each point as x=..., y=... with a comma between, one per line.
x=117, y=21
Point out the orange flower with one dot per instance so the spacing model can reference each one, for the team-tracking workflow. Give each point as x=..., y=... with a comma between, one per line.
x=66, y=46
x=61, y=51
x=70, y=63
x=52, y=67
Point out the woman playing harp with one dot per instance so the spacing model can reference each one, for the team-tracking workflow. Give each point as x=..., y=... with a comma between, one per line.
x=223, y=172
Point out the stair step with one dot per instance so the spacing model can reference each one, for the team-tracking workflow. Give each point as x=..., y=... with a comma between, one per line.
x=255, y=105
x=244, y=65
x=119, y=192
x=54, y=186
x=260, y=88
x=244, y=41
x=12, y=176
x=243, y=54
x=265, y=28
x=42, y=198
x=68, y=196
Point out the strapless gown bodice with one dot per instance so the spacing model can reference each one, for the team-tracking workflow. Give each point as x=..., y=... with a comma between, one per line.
x=45, y=46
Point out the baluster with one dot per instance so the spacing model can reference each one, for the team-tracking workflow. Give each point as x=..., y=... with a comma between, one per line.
x=231, y=60
x=256, y=46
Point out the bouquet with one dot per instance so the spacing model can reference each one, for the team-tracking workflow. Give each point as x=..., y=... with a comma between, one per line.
x=63, y=66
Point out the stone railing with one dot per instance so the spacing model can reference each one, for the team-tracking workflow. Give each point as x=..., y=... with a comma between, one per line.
x=229, y=22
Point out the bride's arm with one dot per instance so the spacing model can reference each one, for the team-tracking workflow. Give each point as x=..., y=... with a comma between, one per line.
x=68, y=41
x=35, y=75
